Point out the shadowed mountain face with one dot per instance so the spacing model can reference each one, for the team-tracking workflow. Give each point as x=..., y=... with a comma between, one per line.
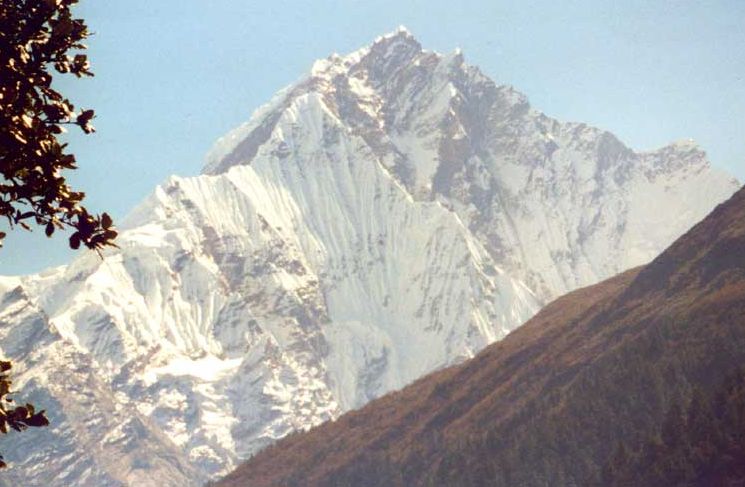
x=637, y=380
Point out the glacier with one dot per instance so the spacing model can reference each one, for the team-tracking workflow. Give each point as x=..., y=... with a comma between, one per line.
x=390, y=213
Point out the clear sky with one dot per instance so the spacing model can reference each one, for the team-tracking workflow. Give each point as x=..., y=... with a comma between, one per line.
x=173, y=75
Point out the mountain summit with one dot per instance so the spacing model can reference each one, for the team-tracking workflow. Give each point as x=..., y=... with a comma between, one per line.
x=391, y=213
x=557, y=205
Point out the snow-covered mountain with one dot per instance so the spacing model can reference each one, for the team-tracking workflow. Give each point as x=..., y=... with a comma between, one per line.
x=392, y=212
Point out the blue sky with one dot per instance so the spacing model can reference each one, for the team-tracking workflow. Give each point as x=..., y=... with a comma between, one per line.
x=173, y=75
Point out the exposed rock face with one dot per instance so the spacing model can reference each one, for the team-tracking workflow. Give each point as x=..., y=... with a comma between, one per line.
x=390, y=214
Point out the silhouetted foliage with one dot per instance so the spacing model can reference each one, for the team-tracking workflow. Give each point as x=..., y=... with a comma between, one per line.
x=11, y=416
x=39, y=38
x=36, y=38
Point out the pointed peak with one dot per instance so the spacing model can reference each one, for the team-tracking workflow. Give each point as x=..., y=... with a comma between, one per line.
x=684, y=144
x=400, y=33
x=455, y=57
x=381, y=45
x=684, y=148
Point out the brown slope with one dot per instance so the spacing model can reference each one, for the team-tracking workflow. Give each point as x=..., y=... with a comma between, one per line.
x=582, y=394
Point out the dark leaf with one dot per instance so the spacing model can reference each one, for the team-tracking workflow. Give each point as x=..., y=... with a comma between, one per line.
x=37, y=420
x=20, y=412
x=106, y=221
x=84, y=120
x=75, y=241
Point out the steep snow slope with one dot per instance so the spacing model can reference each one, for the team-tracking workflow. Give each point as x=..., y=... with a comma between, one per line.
x=391, y=213
x=94, y=438
x=557, y=205
x=274, y=296
x=652, y=359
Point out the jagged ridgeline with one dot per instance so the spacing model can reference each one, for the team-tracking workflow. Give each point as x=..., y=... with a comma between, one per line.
x=636, y=381
x=392, y=213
